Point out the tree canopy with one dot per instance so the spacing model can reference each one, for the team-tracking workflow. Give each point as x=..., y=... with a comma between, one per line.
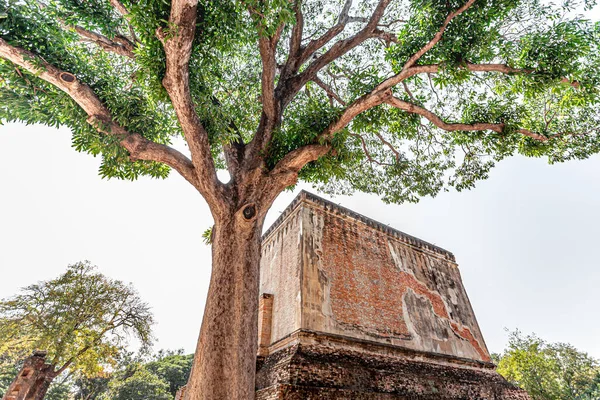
x=82, y=319
x=134, y=377
x=549, y=371
x=399, y=98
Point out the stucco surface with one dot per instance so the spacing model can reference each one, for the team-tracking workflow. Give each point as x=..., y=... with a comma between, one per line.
x=333, y=271
x=280, y=274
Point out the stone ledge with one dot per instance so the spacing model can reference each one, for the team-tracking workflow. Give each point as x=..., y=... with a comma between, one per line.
x=325, y=371
x=329, y=206
x=332, y=341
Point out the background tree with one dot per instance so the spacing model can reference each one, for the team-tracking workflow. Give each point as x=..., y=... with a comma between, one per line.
x=89, y=388
x=8, y=371
x=141, y=384
x=549, y=371
x=402, y=98
x=173, y=367
x=82, y=319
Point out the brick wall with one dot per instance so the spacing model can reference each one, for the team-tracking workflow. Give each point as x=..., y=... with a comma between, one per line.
x=334, y=271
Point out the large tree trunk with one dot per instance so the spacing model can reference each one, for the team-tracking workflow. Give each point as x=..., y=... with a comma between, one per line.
x=225, y=360
x=33, y=381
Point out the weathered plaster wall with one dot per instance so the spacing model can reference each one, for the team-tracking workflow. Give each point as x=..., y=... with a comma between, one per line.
x=365, y=281
x=323, y=371
x=280, y=273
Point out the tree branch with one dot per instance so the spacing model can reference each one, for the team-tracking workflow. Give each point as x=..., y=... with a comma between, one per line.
x=438, y=36
x=268, y=47
x=328, y=90
x=367, y=152
x=293, y=62
x=440, y=123
x=99, y=116
x=177, y=44
x=332, y=32
x=123, y=47
x=289, y=89
x=271, y=106
x=285, y=173
x=434, y=68
x=293, y=162
x=363, y=103
x=117, y=5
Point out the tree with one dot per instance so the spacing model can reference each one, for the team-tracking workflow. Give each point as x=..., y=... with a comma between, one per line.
x=549, y=371
x=140, y=385
x=169, y=369
x=89, y=388
x=173, y=367
x=398, y=98
x=81, y=319
x=7, y=375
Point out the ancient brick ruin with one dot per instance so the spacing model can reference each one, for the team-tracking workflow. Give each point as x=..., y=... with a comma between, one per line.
x=352, y=309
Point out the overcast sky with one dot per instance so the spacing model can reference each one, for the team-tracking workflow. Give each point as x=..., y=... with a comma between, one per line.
x=526, y=239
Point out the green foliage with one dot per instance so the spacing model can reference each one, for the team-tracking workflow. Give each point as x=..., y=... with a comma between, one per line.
x=132, y=377
x=8, y=371
x=58, y=391
x=549, y=371
x=396, y=155
x=207, y=236
x=88, y=388
x=82, y=319
x=157, y=379
x=141, y=385
x=172, y=367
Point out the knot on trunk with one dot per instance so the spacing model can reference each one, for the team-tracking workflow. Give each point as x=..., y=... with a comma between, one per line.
x=249, y=211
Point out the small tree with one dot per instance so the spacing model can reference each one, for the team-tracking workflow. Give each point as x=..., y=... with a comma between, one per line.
x=141, y=384
x=550, y=371
x=402, y=98
x=81, y=319
x=173, y=367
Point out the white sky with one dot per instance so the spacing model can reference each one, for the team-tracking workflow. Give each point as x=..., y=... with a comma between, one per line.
x=526, y=239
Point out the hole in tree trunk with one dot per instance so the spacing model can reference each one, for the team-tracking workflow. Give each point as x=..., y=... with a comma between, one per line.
x=69, y=78
x=249, y=211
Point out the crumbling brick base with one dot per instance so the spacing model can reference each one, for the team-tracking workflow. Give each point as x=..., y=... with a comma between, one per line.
x=321, y=371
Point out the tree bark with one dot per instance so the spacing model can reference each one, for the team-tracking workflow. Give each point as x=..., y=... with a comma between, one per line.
x=33, y=381
x=225, y=361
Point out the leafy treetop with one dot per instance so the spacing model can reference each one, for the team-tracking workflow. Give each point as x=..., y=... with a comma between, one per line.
x=82, y=319
x=399, y=98
x=549, y=371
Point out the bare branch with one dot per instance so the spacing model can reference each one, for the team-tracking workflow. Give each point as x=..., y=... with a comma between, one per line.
x=119, y=7
x=438, y=36
x=99, y=115
x=337, y=50
x=366, y=150
x=296, y=159
x=293, y=62
x=434, y=68
x=363, y=103
x=388, y=144
x=332, y=32
x=440, y=123
x=178, y=49
x=328, y=90
x=387, y=37
x=268, y=47
x=271, y=106
x=119, y=46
